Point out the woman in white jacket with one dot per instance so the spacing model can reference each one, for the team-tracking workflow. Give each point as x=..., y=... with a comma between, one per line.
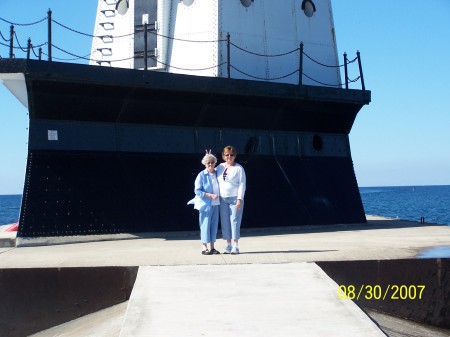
x=232, y=183
x=206, y=189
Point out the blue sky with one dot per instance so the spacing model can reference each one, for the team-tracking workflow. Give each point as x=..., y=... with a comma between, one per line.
x=401, y=138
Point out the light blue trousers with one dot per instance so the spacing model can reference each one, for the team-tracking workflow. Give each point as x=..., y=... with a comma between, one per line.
x=230, y=218
x=209, y=223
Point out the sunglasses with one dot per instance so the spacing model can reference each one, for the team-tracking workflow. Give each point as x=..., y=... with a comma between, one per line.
x=210, y=163
x=229, y=155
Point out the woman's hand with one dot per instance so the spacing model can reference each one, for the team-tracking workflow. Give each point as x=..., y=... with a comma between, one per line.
x=212, y=196
x=238, y=204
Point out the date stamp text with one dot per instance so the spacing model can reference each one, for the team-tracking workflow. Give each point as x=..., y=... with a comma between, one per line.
x=378, y=292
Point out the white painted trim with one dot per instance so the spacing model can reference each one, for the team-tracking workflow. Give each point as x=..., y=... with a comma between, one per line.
x=15, y=82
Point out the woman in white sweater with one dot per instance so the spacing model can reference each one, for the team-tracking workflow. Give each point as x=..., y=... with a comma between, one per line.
x=232, y=183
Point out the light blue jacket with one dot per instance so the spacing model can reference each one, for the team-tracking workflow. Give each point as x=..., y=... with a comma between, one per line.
x=203, y=184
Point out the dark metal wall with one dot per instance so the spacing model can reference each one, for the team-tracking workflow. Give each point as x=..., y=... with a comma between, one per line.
x=170, y=100
x=117, y=150
x=141, y=138
x=80, y=193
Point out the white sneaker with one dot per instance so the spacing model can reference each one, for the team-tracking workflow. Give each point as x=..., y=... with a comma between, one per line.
x=227, y=250
x=235, y=251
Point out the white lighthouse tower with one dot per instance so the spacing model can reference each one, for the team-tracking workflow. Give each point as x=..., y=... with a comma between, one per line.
x=190, y=37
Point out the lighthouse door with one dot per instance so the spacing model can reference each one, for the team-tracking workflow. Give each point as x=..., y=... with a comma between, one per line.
x=145, y=11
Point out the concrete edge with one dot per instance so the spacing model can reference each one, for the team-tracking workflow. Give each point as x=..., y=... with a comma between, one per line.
x=49, y=297
x=413, y=289
x=103, y=323
x=372, y=223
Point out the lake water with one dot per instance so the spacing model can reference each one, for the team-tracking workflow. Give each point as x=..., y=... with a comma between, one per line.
x=403, y=202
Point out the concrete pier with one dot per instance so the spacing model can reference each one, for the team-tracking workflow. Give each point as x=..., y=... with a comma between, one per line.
x=246, y=300
x=275, y=285
x=379, y=239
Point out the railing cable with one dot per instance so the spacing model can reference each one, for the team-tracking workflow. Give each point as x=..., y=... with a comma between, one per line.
x=3, y=37
x=325, y=84
x=264, y=55
x=322, y=64
x=264, y=78
x=23, y=24
x=185, y=40
x=228, y=63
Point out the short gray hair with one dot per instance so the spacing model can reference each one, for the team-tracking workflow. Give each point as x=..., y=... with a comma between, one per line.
x=209, y=157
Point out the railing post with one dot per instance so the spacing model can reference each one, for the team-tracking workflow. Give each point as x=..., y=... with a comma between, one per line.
x=360, y=71
x=300, y=70
x=28, y=48
x=11, y=42
x=346, y=70
x=40, y=54
x=228, y=55
x=145, y=46
x=49, y=18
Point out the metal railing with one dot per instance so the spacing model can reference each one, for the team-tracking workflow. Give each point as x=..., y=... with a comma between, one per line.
x=229, y=44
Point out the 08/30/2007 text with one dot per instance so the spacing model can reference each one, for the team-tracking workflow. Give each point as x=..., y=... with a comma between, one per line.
x=377, y=292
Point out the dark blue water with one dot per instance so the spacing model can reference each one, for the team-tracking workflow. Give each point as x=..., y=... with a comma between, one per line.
x=9, y=208
x=404, y=202
x=409, y=202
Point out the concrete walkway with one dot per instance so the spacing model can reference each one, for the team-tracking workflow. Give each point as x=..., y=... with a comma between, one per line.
x=273, y=288
x=377, y=240
x=241, y=300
